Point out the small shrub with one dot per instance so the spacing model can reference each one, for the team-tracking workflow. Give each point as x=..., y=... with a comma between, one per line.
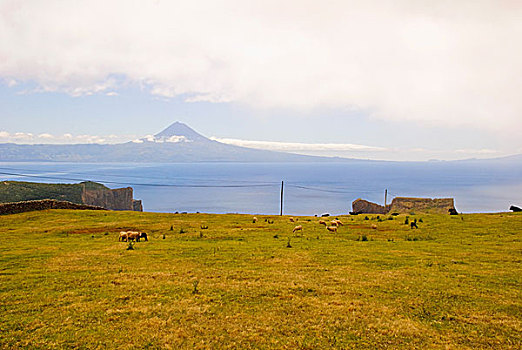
x=390, y=218
x=366, y=218
x=195, y=287
x=163, y=236
x=130, y=246
x=171, y=228
x=181, y=230
x=420, y=220
x=288, y=245
x=407, y=221
x=276, y=236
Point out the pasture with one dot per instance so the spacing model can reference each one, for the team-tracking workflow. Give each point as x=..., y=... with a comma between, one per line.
x=224, y=282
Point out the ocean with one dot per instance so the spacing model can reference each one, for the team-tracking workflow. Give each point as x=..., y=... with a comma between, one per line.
x=309, y=188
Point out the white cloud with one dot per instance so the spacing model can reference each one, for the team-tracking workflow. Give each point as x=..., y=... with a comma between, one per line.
x=46, y=138
x=456, y=63
x=363, y=151
x=299, y=147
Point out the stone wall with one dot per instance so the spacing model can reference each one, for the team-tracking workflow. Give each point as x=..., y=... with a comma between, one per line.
x=405, y=205
x=44, y=204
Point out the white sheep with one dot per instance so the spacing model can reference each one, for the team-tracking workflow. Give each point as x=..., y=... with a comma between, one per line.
x=332, y=228
x=298, y=228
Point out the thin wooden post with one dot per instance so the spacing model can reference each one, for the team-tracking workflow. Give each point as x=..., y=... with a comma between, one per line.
x=385, y=197
x=282, y=185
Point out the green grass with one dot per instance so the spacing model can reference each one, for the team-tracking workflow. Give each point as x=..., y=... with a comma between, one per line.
x=66, y=282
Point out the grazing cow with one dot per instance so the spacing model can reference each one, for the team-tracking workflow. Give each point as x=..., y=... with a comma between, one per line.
x=332, y=228
x=124, y=237
x=515, y=209
x=298, y=228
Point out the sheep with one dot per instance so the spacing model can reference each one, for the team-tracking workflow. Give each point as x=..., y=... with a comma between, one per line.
x=254, y=220
x=133, y=235
x=332, y=228
x=339, y=223
x=291, y=219
x=298, y=228
x=374, y=227
x=334, y=223
x=124, y=237
x=322, y=222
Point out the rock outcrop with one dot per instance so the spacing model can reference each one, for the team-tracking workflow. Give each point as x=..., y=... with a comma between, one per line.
x=361, y=206
x=117, y=199
x=405, y=205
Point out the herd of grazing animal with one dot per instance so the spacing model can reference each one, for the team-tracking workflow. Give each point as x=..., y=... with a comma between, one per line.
x=332, y=226
x=128, y=236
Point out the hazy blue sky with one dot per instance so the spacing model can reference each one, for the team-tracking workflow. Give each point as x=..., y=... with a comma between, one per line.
x=373, y=79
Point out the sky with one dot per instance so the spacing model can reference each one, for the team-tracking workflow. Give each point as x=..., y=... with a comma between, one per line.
x=393, y=80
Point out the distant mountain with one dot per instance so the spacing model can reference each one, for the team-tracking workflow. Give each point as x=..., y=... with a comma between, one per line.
x=177, y=143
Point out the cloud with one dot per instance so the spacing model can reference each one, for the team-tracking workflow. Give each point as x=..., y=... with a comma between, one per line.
x=446, y=62
x=299, y=147
x=67, y=138
x=363, y=151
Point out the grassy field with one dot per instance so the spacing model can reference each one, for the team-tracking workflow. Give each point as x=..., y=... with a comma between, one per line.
x=66, y=282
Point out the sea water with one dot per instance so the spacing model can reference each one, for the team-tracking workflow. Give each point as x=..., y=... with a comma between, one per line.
x=309, y=188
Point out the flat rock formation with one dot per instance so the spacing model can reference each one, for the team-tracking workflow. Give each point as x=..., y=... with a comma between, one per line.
x=405, y=205
x=424, y=205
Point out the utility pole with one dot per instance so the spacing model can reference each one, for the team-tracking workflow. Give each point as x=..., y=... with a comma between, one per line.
x=385, y=197
x=281, y=211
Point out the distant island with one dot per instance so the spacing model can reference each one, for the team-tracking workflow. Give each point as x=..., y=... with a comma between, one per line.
x=177, y=143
